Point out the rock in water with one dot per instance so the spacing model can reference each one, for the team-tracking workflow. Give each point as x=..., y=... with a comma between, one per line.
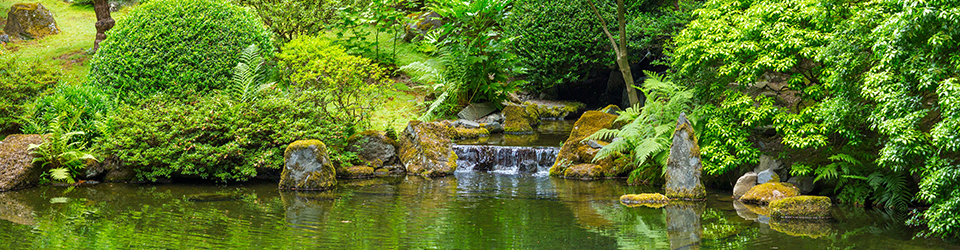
x=683, y=165
x=768, y=192
x=374, y=145
x=575, y=159
x=16, y=163
x=307, y=167
x=801, y=207
x=767, y=176
x=30, y=21
x=517, y=120
x=744, y=184
x=426, y=149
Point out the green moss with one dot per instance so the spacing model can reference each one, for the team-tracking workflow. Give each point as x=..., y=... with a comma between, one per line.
x=801, y=207
x=517, y=120
x=356, y=172
x=322, y=179
x=469, y=133
x=426, y=149
x=584, y=171
x=805, y=228
x=768, y=192
x=654, y=200
x=574, y=151
x=696, y=193
x=301, y=144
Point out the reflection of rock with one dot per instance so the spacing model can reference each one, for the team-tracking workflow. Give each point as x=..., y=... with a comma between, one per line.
x=795, y=227
x=653, y=200
x=307, y=167
x=520, y=140
x=575, y=151
x=683, y=165
x=16, y=162
x=15, y=209
x=579, y=196
x=743, y=211
x=306, y=208
x=768, y=192
x=426, y=149
x=744, y=184
x=683, y=224
x=814, y=207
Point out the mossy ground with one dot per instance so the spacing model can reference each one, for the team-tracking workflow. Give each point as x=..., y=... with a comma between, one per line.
x=769, y=192
x=805, y=206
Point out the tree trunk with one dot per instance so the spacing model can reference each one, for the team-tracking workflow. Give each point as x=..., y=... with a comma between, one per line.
x=104, y=21
x=622, y=59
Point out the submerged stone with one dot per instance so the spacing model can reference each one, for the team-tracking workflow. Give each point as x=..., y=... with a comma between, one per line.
x=307, y=166
x=805, y=228
x=426, y=149
x=17, y=169
x=768, y=192
x=30, y=21
x=801, y=207
x=683, y=165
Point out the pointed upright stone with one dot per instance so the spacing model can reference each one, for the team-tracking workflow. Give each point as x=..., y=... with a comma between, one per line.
x=683, y=165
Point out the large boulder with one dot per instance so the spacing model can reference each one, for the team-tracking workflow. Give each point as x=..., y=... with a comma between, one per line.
x=307, y=166
x=801, y=207
x=744, y=184
x=767, y=176
x=517, y=120
x=426, y=149
x=576, y=152
x=683, y=164
x=373, y=145
x=30, y=21
x=769, y=192
x=17, y=169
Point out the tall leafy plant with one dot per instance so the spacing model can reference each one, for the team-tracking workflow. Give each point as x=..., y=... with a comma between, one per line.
x=646, y=138
x=249, y=76
x=62, y=153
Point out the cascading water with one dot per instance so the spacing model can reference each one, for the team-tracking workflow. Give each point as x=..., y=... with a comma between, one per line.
x=505, y=160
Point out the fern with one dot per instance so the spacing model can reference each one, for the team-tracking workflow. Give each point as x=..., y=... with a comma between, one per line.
x=433, y=76
x=248, y=76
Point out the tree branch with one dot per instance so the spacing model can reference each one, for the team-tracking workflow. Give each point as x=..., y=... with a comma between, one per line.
x=603, y=23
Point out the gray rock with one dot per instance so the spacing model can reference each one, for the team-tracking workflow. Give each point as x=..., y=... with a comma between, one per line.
x=744, y=183
x=17, y=169
x=373, y=146
x=594, y=144
x=767, y=176
x=803, y=183
x=683, y=165
x=30, y=21
x=467, y=124
x=496, y=117
x=4, y=38
x=92, y=170
x=426, y=149
x=307, y=166
x=476, y=111
x=494, y=127
x=767, y=162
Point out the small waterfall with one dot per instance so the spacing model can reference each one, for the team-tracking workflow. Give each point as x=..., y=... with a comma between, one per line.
x=505, y=160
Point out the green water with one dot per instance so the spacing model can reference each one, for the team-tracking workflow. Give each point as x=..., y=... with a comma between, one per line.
x=465, y=211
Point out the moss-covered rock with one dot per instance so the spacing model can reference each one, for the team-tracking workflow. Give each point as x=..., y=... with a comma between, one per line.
x=552, y=109
x=585, y=171
x=426, y=149
x=769, y=192
x=518, y=120
x=575, y=151
x=17, y=169
x=356, y=172
x=30, y=21
x=683, y=165
x=802, y=207
x=469, y=133
x=307, y=166
x=374, y=147
x=653, y=200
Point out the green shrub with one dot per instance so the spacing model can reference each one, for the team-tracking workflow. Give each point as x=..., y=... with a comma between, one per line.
x=177, y=45
x=61, y=153
x=85, y=104
x=211, y=138
x=20, y=83
x=349, y=87
x=291, y=18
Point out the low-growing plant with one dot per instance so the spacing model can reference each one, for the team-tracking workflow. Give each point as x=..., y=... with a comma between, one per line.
x=20, y=83
x=180, y=46
x=62, y=153
x=86, y=104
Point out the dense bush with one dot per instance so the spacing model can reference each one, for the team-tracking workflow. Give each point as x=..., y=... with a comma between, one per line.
x=349, y=88
x=20, y=83
x=180, y=45
x=289, y=19
x=85, y=105
x=212, y=137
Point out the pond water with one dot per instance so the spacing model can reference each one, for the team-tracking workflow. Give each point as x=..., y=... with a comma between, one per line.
x=470, y=210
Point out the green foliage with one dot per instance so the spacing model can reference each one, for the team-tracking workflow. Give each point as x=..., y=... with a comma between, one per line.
x=648, y=135
x=249, y=76
x=88, y=105
x=211, y=138
x=63, y=154
x=179, y=46
x=433, y=77
x=474, y=54
x=349, y=87
x=289, y=19
x=725, y=131
x=20, y=83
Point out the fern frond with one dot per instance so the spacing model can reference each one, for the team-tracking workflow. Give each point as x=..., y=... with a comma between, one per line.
x=645, y=149
x=61, y=174
x=844, y=158
x=602, y=134
x=436, y=103
x=609, y=150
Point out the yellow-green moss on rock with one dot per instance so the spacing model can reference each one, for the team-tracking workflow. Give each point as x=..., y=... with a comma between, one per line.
x=805, y=228
x=307, y=166
x=355, y=172
x=803, y=207
x=517, y=119
x=654, y=200
x=30, y=21
x=769, y=192
x=470, y=133
x=575, y=151
x=426, y=149
x=551, y=109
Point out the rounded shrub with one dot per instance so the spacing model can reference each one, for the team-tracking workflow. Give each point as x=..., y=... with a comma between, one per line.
x=177, y=46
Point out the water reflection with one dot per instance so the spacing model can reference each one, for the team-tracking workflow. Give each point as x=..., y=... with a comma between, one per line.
x=465, y=211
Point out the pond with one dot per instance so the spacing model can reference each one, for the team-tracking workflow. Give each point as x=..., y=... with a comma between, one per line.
x=470, y=210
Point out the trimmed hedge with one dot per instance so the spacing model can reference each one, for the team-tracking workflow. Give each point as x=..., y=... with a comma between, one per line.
x=177, y=45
